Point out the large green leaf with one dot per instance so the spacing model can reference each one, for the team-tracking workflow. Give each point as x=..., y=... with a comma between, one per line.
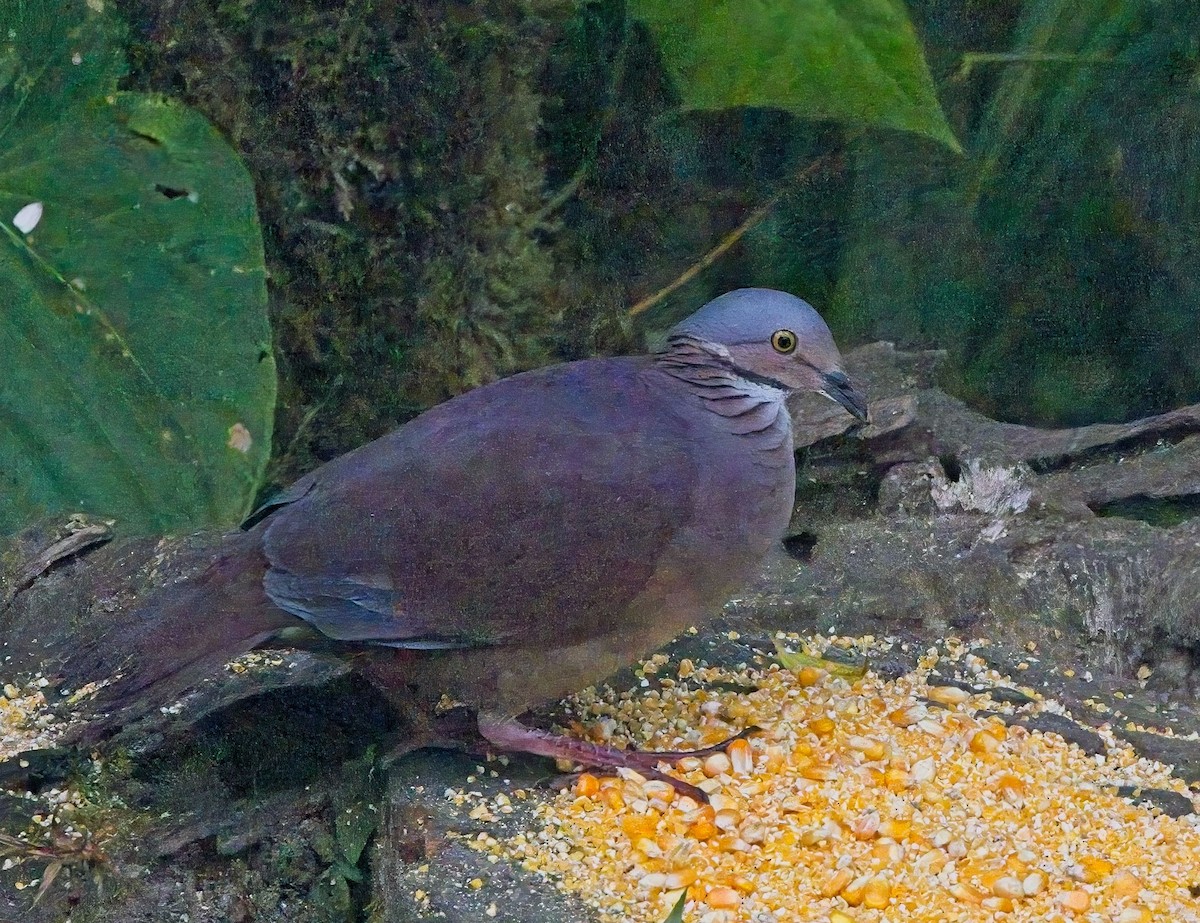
x=138, y=380
x=854, y=61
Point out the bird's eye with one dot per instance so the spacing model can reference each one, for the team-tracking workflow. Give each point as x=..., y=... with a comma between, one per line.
x=784, y=341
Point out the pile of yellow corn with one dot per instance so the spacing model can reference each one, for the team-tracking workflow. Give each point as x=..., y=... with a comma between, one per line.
x=859, y=800
x=26, y=722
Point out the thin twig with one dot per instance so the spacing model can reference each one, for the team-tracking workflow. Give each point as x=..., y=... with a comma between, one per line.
x=728, y=240
x=565, y=194
x=973, y=58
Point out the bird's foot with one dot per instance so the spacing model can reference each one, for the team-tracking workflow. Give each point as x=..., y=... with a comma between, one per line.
x=509, y=734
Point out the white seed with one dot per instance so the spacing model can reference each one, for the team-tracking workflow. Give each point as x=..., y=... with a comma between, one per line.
x=753, y=832
x=1009, y=886
x=721, y=802
x=948, y=695
x=791, y=805
x=741, y=759
x=865, y=825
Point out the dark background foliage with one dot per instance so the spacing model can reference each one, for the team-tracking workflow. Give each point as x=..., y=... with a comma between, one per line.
x=454, y=191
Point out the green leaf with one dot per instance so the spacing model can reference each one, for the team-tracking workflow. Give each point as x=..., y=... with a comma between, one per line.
x=138, y=375
x=797, y=660
x=330, y=897
x=676, y=915
x=355, y=825
x=344, y=869
x=855, y=61
x=357, y=810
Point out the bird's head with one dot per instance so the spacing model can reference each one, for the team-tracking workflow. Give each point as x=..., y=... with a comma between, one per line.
x=776, y=339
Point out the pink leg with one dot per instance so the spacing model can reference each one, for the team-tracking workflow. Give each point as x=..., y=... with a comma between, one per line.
x=509, y=734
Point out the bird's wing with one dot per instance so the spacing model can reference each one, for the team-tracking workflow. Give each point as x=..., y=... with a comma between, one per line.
x=538, y=506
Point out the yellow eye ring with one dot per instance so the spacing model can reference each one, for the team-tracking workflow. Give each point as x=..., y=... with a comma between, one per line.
x=784, y=341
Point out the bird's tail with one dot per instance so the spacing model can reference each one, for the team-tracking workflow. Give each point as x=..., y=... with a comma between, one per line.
x=179, y=635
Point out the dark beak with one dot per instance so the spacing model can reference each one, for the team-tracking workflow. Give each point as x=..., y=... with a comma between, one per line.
x=838, y=387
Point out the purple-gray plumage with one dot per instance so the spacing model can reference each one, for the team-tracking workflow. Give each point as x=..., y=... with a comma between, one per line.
x=527, y=538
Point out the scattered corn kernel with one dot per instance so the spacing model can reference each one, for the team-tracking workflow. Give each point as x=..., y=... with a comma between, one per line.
x=703, y=829
x=877, y=894
x=869, y=747
x=722, y=898
x=1125, y=884
x=1008, y=886
x=865, y=826
x=1075, y=901
x=822, y=726
x=967, y=893
x=984, y=743
x=740, y=758
x=855, y=892
x=1095, y=869
x=932, y=862
x=907, y=716
x=896, y=828
x=836, y=884
x=587, y=785
x=947, y=695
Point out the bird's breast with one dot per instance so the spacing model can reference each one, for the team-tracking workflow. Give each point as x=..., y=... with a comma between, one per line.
x=751, y=480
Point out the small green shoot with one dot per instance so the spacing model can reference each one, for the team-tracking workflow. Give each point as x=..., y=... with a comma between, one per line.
x=797, y=660
x=676, y=915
